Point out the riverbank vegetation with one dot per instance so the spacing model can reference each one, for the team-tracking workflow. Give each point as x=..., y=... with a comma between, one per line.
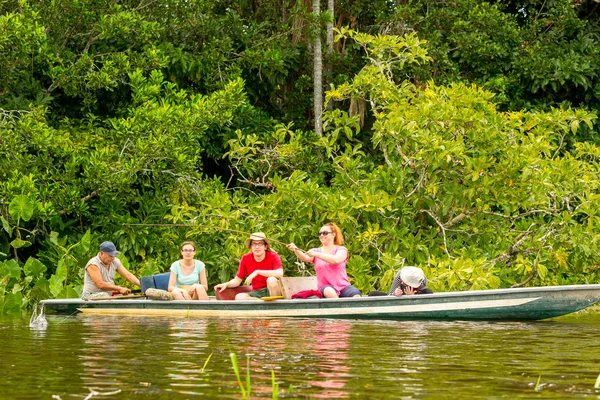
x=460, y=137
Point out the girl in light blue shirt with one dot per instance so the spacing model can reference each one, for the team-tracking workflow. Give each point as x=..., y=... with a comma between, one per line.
x=188, y=276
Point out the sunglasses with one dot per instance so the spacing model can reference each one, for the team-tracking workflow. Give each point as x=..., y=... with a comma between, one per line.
x=188, y=251
x=324, y=233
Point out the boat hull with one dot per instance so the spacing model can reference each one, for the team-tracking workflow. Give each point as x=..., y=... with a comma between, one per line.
x=502, y=304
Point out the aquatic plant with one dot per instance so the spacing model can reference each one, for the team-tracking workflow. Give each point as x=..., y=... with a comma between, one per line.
x=537, y=385
x=597, y=385
x=247, y=389
x=205, y=363
x=274, y=386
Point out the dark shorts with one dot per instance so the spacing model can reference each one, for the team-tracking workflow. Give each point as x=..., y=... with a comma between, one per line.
x=348, y=291
x=264, y=292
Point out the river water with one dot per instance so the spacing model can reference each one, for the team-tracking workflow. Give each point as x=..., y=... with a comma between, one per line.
x=162, y=358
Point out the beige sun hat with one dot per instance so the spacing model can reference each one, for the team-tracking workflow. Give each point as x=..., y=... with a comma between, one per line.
x=257, y=236
x=412, y=276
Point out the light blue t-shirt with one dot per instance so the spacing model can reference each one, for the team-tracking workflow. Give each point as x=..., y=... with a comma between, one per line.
x=187, y=280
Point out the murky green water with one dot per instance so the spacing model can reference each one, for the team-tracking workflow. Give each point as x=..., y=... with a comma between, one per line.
x=160, y=358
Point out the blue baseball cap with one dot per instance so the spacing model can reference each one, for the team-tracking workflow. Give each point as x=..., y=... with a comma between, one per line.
x=109, y=248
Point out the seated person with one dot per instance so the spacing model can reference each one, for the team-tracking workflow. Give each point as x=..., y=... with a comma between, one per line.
x=261, y=267
x=188, y=276
x=99, y=278
x=330, y=263
x=408, y=281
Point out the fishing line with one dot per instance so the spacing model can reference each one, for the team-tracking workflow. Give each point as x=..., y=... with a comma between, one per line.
x=212, y=227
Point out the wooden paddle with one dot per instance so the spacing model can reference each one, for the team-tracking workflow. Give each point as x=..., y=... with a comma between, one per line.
x=127, y=296
x=271, y=298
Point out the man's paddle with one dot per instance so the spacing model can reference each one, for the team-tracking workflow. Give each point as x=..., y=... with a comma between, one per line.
x=127, y=296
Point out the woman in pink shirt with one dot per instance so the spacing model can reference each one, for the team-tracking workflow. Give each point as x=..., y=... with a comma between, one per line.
x=330, y=263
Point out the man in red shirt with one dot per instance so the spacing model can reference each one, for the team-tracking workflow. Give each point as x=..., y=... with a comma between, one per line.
x=261, y=268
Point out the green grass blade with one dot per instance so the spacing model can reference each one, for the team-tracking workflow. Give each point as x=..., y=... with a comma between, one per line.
x=248, y=387
x=205, y=363
x=274, y=386
x=597, y=385
x=237, y=373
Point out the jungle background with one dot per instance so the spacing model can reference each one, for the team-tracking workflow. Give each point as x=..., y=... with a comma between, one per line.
x=459, y=136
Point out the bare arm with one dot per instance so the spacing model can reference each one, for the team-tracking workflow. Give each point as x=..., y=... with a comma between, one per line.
x=299, y=253
x=336, y=258
x=235, y=282
x=172, y=281
x=203, y=280
x=128, y=275
x=96, y=276
x=277, y=273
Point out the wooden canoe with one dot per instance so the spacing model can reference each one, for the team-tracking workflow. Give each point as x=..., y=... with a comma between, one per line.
x=500, y=304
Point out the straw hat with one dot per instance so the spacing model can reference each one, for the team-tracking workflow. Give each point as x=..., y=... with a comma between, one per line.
x=412, y=276
x=257, y=236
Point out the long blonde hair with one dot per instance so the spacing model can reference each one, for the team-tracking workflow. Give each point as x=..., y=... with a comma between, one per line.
x=339, y=237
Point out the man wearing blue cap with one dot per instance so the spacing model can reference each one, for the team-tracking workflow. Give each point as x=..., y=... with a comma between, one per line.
x=99, y=279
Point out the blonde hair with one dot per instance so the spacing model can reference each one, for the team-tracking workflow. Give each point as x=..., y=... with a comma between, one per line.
x=186, y=244
x=339, y=237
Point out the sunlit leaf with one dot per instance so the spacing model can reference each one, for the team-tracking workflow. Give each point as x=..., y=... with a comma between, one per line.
x=18, y=243
x=12, y=269
x=34, y=267
x=21, y=207
x=54, y=238
x=56, y=285
x=6, y=226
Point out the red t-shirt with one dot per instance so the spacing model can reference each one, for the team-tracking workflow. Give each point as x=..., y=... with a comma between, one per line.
x=248, y=265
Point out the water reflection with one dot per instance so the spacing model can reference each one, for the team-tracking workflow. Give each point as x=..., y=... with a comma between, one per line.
x=187, y=342
x=163, y=358
x=331, y=344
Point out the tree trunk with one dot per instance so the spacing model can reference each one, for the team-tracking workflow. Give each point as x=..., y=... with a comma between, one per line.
x=329, y=77
x=317, y=74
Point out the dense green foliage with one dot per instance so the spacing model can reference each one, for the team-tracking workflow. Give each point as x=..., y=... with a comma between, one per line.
x=460, y=138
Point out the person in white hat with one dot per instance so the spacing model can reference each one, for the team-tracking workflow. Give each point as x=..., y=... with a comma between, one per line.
x=99, y=278
x=261, y=268
x=410, y=280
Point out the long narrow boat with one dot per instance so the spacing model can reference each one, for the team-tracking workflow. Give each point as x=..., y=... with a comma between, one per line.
x=501, y=304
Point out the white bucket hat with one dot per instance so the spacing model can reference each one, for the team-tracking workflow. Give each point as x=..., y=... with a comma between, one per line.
x=412, y=276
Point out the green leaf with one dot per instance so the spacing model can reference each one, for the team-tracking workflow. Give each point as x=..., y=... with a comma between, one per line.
x=86, y=241
x=56, y=285
x=41, y=289
x=21, y=207
x=13, y=302
x=34, y=267
x=13, y=269
x=18, y=243
x=61, y=270
x=67, y=293
x=54, y=238
x=6, y=226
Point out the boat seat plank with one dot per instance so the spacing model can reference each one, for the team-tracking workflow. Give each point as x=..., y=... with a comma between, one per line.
x=295, y=284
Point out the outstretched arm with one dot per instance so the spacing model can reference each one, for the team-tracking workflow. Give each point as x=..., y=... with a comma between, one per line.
x=299, y=253
x=336, y=258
